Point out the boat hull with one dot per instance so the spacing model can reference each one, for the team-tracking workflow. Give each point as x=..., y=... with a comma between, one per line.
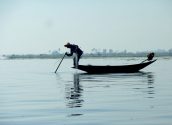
x=92, y=69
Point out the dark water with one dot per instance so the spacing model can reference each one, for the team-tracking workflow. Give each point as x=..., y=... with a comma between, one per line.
x=31, y=94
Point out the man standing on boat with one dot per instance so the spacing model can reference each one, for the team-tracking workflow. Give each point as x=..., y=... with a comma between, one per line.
x=76, y=51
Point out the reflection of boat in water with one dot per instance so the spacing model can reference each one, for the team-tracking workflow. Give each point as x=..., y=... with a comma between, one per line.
x=92, y=69
x=140, y=82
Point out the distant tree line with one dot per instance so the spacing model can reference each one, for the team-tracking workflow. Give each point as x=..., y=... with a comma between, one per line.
x=93, y=53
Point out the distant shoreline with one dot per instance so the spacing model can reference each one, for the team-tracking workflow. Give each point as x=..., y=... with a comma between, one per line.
x=87, y=55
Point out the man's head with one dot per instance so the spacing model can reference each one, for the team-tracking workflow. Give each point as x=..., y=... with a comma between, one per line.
x=67, y=45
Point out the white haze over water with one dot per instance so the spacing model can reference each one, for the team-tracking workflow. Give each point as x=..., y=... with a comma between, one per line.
x=37, y=26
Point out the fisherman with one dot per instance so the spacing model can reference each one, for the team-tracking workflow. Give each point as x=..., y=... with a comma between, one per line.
x=150, y=56
x=76, y=51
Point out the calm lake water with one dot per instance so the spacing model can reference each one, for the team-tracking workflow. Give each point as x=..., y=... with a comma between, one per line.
x=32, y=94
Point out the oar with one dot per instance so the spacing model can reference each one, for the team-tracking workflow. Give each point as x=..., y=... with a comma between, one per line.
x=144, y=60
x=60, y=63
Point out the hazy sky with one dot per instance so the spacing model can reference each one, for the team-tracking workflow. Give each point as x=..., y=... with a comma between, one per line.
x=37, y=26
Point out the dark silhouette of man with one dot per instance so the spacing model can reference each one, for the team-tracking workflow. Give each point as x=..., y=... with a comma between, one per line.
x=76, y=51
x=150, y=56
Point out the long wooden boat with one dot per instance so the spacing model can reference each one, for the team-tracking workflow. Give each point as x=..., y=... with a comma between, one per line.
x=94, y=69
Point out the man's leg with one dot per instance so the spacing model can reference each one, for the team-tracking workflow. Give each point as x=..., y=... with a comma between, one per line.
x=79, y=56
x=75, y=60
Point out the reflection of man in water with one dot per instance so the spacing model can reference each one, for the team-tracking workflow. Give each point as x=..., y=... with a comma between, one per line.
x=74, y=49
x=73, y=93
